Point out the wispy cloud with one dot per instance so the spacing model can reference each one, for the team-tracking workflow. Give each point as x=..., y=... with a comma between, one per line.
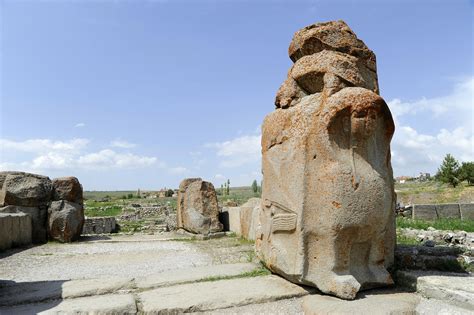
x=118, y=143
x=80, y=125
x=238, y=151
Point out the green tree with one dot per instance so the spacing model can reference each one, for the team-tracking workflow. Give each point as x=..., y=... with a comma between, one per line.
x=169, y=193
x=467, y=172
x=228, y=187
x=449, y=171
x=255, y=186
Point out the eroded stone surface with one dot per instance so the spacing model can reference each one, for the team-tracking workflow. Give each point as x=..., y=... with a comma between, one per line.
x=103, y=304
x=211, y=295
x=198, y=211
x=24, y=189
x=68, y=188
x=65, y=221
x=382, y=302
x=327, y=216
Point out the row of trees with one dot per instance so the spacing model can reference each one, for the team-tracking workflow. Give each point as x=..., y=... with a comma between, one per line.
x=451, y=172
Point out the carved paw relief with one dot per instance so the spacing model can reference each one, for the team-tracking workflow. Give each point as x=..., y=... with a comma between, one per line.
x=282, y=218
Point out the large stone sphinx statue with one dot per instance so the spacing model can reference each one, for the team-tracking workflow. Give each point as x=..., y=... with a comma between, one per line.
x=327, y=216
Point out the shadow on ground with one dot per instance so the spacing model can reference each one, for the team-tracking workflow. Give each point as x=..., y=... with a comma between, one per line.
x=25, y=297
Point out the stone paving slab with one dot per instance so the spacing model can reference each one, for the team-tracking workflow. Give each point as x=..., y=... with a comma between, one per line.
x=455, y=289
x=370, y=302
x=212, y=295
x=103, y=304
x=180, y=276
x=31, y=292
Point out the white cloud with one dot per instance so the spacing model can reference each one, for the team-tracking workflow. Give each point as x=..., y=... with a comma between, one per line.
x=238, y=151
x=450, y=121
x=110, y=159
x=80, y=125
x=47, y=154
x=122, y=144
x=219, y=177
x=43, y=145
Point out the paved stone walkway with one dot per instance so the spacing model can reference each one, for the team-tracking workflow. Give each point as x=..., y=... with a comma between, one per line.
x=206, y=277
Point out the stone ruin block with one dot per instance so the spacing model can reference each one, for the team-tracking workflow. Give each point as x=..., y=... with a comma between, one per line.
x=36, y=195
x=425, y=212
x=448, y=211
x=99, y=225
x=467, y=211
x=198, y=210
x=15, y=230
x=230, y=218
x=328, y=204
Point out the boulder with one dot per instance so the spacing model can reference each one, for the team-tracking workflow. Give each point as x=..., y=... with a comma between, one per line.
x=328, y=203
x=65, y=221
x=38, y=219
x=24, y=189
x=67, y=188
x=198, y=210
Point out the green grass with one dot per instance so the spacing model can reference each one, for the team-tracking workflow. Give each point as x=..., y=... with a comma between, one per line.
x=131, y=226
x=405, y=240
x=257, y=272
x=102, y=211
x=441, y=224
x=238, y=194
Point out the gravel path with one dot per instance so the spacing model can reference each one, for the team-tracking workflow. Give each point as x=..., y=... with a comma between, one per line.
x=124, y=256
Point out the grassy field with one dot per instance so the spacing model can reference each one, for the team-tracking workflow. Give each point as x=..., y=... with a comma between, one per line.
x=433, y=192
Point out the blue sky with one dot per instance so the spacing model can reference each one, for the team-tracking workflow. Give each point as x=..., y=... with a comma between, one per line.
x=141, y=94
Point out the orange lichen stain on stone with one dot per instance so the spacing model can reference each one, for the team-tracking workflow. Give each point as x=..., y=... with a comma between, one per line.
x=336, y=204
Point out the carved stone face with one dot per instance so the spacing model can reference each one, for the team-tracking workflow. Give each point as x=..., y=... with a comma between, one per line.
x=363, y=122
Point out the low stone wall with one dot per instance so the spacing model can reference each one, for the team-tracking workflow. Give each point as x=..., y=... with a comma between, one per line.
x=15, y=230
x=443, y=211
x=99, y=225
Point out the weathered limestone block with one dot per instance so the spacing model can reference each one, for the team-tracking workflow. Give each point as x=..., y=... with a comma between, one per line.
x=15, y=230
x=424, y=212
x=448, y=211
x=68, y=188
x=24, y=189
x=198, y=211
x=38, y=219
x=328, y=201
x=65, y=221
x=467, y=211
x=99, y=225
x=249, y=216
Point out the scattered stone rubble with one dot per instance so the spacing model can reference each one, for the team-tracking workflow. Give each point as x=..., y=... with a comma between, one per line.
x=99, y=225
x=55, y=208
x=198, y=210
x=327, y=216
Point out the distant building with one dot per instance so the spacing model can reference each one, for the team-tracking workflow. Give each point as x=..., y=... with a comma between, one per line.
x=424, y=177
x=403, y=179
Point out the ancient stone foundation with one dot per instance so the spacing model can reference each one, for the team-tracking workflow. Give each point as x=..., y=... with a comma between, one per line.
x=328, y=199
x=198, y=211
